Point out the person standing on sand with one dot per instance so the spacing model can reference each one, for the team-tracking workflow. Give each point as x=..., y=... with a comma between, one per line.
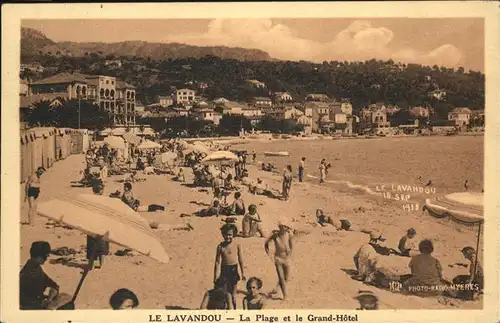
x=229, y=255
x=282, y=251
x=301, y=168
x=32, y=191
x=322, y=171
x=287, y=182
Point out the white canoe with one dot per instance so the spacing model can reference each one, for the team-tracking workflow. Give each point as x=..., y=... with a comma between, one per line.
x=277, y=153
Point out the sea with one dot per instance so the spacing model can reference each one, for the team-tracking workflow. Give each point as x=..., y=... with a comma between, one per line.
x=434, y=165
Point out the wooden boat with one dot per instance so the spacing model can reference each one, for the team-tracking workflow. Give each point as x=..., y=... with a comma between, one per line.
x=277, y=153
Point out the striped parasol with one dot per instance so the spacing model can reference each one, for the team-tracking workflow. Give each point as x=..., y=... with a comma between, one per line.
x=466, y=208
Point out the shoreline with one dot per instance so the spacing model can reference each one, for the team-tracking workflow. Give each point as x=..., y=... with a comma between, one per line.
x=234, y=140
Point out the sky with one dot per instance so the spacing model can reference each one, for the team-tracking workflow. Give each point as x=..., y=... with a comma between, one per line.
x=450, y=42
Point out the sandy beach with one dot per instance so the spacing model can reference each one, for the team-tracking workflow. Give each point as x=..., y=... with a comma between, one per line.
x=321, y=258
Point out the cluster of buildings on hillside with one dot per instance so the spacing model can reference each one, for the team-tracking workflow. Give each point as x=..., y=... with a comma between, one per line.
x=317, y=112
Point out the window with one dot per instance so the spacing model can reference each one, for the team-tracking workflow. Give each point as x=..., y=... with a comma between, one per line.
x=107, y=81
x=84, y=90
x=107, y=93
x=132, y=95
x=102, y=92
x=113, y=82
x=78, y=90
x=112, y=93
x=128, y=95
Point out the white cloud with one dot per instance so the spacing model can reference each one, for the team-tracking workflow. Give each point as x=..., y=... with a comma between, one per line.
x=359, y=41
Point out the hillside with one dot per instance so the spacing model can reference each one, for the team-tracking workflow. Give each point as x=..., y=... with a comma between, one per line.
x=34, y=42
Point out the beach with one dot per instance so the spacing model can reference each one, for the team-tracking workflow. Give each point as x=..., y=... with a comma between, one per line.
x=321, y=258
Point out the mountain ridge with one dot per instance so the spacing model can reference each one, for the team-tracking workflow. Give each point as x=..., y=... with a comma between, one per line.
x=34, y=42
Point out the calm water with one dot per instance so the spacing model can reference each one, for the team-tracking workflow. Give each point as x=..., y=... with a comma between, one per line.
x=446, y=161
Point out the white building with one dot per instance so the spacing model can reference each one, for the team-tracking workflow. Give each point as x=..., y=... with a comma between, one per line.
x=283, y=97
x=165, y=101
x=185, y=96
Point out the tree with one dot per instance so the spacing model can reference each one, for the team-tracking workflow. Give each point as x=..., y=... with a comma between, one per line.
x=91, y=116
x=42, y=115
x=232, y=124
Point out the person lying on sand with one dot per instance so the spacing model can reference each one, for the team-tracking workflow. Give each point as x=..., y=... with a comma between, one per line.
x=252, y=223
x=268, y=167
x=283, y=246
x=217, y=298
x=213, y=210
x=229, y=255
x=254, y=300
x=338, y=224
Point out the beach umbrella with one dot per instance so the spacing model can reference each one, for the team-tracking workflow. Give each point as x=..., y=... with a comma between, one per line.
x=221, y=157
x=131, y=138
x=115, y=142
x=148, y=144
x=165, y=158
x=196, y=148
x=466, y=208
x=106, y=132
x=106, y=217
x=98, y=215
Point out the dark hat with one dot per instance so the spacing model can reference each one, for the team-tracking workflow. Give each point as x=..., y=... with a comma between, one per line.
x=412, y=231
x=468, y=249
x=40, y=249
x=364, y=294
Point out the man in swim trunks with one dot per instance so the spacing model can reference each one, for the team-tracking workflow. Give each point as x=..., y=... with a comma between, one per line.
x=229, y=255
x=282, y=251
x=32, y=192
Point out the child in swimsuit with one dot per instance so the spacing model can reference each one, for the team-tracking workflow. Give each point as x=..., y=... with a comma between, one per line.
x=32, y=193
x=252, y=223
x=217, y=298
x=283, y=249
x=254, y=299
x=229, y=255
